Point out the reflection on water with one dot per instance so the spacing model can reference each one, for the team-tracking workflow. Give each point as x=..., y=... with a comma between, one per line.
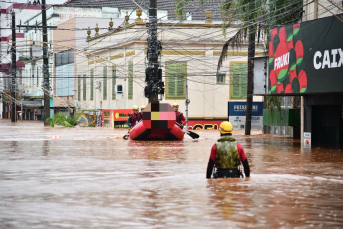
x=91, y=177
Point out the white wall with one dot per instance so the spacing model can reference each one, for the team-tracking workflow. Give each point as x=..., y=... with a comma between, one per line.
x=208, y=99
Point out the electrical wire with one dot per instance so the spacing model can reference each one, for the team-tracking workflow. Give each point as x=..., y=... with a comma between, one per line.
x=190, y=55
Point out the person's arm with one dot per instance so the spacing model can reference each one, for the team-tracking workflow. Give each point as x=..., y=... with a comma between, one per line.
x=246, y=168
x=183, y=119
x=128, y=122
x=211, y=162
x=244, y=160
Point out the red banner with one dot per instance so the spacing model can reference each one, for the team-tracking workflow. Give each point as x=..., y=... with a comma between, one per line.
x=109, y=116
x=204, y=124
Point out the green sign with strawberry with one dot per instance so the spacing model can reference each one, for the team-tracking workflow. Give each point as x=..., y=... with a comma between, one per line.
x=306, y=57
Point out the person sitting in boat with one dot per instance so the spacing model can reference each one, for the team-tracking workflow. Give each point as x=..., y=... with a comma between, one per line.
x=227, y=155
x=180, y=119
x=142, y=109
x=134, y=117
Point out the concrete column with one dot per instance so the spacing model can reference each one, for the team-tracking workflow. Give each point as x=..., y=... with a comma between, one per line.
x=302, y=121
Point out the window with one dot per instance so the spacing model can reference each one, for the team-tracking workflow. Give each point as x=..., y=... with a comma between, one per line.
x=221, y=78
x=92, y=84
x=114, y=75
x=84, y=87
x=130, y=81
x=239, y=72
x=104, y=91
x=285, y=102
x=65, y=81
x=79, y=87
x=175, y=80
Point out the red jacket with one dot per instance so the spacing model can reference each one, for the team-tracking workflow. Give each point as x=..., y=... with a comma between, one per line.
x=133, y=119
x=180, y=119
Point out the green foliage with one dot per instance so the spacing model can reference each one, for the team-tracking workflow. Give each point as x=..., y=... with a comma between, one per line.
x=281, y=12
x=63, y=119
x=180, y=7
x=49, y=121
x=273, y=103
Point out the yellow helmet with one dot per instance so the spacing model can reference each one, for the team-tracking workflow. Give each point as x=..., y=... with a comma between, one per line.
x=142, y=107
x=225, y=128
x=175, y=105
x=135, y=107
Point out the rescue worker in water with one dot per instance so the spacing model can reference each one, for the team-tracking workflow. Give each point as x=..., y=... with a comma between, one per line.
x=227, y=155
x=180, y=119
x=134, y=117
x=142, y=109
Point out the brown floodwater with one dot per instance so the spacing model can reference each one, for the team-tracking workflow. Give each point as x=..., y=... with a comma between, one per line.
x=91, y=177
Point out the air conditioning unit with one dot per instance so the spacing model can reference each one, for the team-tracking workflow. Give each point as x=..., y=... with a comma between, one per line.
x=119, y=89
x=97, y=84
x=77, y=103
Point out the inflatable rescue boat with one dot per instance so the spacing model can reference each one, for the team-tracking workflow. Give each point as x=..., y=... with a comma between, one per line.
x=158, y=123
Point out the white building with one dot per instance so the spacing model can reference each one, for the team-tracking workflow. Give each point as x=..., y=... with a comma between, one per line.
x=57, y=15
x=113, y=74
x=22, y=12
x=314, y=10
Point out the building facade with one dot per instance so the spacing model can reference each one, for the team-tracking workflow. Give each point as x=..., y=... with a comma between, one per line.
x=112, y=76
x=21, y=13
x=306, y=59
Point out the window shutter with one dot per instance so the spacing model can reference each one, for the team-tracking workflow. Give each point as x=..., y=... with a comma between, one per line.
x=130, y=81
x=92, y=84
x=104, y=95
x=235, y=81
x=176, y=75
x=171, y=80
x=243, y=83
x=181, y=80
x=238, y=80
x=79, y=87
x=84, y=87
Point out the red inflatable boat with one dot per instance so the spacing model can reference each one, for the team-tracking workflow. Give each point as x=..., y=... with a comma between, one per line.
x=158, y=124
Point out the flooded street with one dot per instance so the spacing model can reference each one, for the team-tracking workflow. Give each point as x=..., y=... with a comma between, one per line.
x=90, y=177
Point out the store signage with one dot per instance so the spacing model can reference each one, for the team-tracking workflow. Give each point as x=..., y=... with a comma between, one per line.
x=66, y=13
x=237, y=114
x=307, y=139
x=306, y=58
x=109, y=116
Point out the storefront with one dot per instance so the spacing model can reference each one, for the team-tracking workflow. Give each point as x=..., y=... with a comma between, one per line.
x=306, y=59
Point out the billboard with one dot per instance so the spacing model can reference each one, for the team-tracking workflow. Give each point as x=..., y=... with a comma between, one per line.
x=306, y=58
x=109, y=116
x=237, y=113
x=66, y=13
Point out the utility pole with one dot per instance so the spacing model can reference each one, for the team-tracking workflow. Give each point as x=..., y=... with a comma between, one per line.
x=14, y=71
x=187, y=102
x=46, y=84
x=251, y=54
x=153, y=73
